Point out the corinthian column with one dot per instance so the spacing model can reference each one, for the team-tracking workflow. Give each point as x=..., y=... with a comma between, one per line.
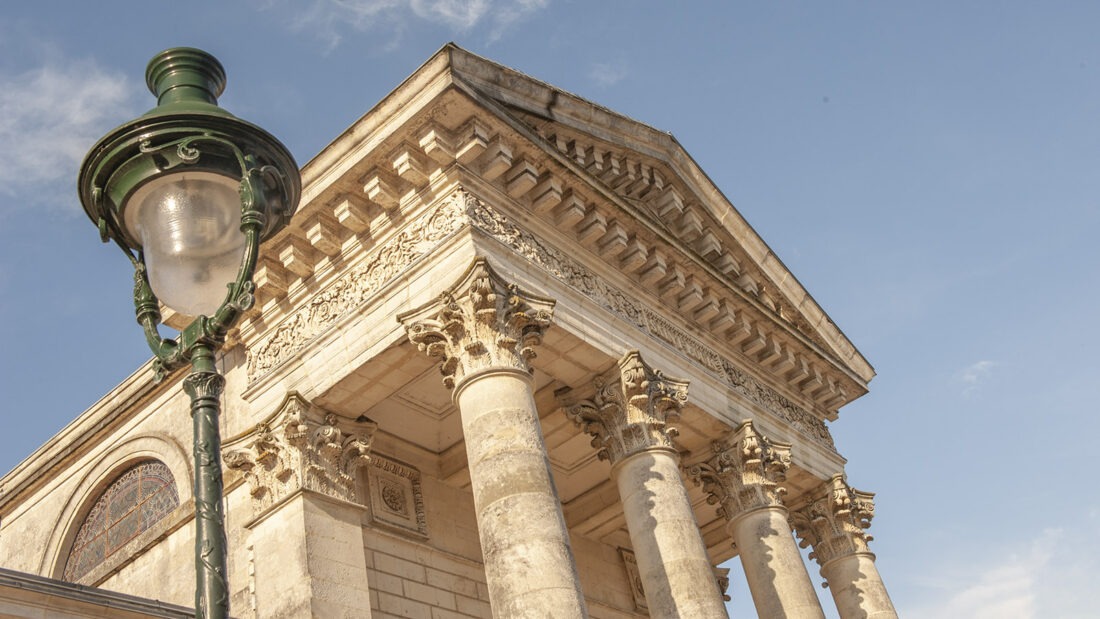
x=628, y=419
x=743, y=479
x=485, y=331
x=833, y=522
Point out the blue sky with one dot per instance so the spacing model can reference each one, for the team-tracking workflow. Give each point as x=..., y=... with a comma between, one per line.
x=930, y=173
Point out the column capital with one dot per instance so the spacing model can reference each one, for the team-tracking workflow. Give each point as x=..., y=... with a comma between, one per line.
x=480, y=323
x=745, y=472
x=631, y=410
x=302, y=447
x=834, y=520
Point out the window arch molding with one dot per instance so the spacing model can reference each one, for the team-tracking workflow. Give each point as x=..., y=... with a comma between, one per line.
x=106, y=469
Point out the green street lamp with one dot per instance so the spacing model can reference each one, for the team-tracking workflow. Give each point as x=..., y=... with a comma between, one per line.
x=189, y=191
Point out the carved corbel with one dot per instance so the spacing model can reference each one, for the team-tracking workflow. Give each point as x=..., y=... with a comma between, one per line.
x=630, y=412
x=480, y=323
x=834, y=520
x=302, y=447
x=745, y=472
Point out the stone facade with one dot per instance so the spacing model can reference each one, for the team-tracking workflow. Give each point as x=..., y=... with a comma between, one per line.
x=455, y=395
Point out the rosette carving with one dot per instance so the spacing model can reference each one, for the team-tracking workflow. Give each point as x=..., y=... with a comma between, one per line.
x=745, y=472
x=480, y=323
x=302, y=447
x=631, y=413
x=833, y=522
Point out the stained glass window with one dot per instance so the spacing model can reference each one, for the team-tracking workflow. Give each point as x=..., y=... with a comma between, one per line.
x=135, y=501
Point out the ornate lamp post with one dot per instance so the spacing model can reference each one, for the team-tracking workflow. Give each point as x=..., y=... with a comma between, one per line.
x=189, y=191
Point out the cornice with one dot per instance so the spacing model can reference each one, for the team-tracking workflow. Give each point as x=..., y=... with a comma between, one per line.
x=577, y=127
x=633, y=217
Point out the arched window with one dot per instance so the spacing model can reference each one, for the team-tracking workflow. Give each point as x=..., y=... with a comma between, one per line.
x=133, y=502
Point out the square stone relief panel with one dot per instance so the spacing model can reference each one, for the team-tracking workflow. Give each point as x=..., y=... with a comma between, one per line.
x=396, y=500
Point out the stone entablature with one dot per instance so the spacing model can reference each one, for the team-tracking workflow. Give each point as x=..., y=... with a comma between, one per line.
x=460, y=209
x=301, y=448
x=382, y=265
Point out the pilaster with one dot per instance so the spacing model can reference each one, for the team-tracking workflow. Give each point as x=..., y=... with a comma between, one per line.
x=301, y=468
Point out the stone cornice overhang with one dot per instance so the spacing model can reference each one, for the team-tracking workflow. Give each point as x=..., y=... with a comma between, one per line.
x=439, y=122
x=525, y=96
x=69, y=599
x=685, y=278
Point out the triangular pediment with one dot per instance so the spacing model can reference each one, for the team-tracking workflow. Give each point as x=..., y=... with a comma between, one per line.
x=649, y=169
x=625, y=192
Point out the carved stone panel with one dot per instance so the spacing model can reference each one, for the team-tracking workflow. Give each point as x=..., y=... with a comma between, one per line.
x=396, y=500
x=630, y=564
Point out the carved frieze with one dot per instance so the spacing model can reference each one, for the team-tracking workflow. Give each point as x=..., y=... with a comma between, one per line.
x=631, y=413
x=745, y=472
x=480, y=323
x=356, y=287
x=460, y=209
x=302, y=448
x=396, y=499
x=833, y=522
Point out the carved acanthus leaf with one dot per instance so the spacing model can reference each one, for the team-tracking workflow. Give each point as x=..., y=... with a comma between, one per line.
x=745, y=472
x=834, y=521
x=480, y=323
x=302, y=447
x=630, y=413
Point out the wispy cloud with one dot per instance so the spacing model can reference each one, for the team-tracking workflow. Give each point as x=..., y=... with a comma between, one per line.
x=972, y=376
x=608, y=73
x=331, y=20
x=49, y=116
x=1048, y=576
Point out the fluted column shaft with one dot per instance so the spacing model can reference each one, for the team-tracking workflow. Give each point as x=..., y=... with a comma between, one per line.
x=833, y=522
x=485, y=332
x=628, y=418
x=743, y=479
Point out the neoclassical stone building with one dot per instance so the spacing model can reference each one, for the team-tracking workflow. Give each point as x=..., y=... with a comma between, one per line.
x=515, y=356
